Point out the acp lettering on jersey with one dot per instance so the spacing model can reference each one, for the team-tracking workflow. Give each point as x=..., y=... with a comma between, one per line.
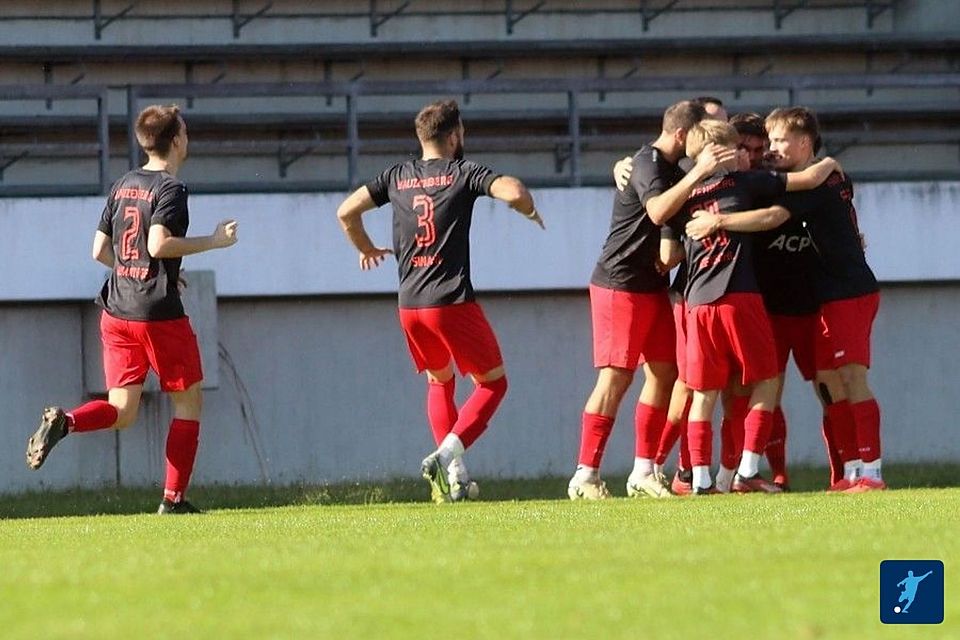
x=418, y=183
x=425, y=261
x=793, y=244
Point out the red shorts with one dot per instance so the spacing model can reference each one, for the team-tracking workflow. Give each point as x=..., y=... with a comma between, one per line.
x=132, y=347
x=680, y=326
x=730, y=334
x=844, y=333
x=799, y=335
x=630, y=329
x=460, y=331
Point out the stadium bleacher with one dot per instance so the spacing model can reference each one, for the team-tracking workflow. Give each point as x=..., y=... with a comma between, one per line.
x=543, y=95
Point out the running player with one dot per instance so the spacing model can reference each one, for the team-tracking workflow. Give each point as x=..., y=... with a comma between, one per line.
x=432, y=202
x=142, y=238
x=630, y=309
x=849, y=296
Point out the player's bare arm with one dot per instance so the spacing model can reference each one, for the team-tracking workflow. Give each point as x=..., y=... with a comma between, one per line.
x=671, y=253
x=621, y=172
x=515, y=194
x=163, y=244
x=662, y=207
x=350, y=214
x=103, y=249
x=705, y=224
x=813, y=176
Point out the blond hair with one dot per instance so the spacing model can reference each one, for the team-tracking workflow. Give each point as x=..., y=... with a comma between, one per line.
x=707, y=131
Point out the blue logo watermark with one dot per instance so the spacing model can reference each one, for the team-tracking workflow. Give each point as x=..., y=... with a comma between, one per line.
x=911, y=592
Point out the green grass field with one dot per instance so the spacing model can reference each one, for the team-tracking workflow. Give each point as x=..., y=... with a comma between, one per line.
x=304, y=563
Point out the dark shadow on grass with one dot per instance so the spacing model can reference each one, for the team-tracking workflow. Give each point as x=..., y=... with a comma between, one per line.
x=144, y=500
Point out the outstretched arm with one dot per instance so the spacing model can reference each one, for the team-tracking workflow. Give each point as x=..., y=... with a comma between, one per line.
x=349, y=214
x=813, y=176
x=515, y=194
x=163, y=244
x=103, y=249
x=706, y=224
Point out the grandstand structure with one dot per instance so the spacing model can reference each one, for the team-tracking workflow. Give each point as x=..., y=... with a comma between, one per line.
x=294, y=95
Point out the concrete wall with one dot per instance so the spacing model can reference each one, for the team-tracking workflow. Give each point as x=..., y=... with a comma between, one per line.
x=331, y=395
x=316, y=385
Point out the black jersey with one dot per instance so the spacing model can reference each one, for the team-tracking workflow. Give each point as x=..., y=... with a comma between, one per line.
x=723, y=262
x=840, y=270
x=432, y=210
x=785, y=263
x=141, y=287
x=628, y=259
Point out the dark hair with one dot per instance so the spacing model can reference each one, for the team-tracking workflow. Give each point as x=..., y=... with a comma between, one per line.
x=683, y=115
x=156, y=127
x=749, y=124
x=799, y=120
x=705, y=100
x=437, y=120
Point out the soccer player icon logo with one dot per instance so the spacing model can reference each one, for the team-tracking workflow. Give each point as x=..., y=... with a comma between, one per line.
x=909, y=584
x=902, y=600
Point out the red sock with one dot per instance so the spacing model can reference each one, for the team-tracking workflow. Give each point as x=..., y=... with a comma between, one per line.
x=441, y=408
x=756, y=430
x=594, y=433
x=866, y=416
x=668, y=438
x=777, y=446
x=836, y=464
x=479, y=409
x=700, y=438
x=685, y=446
x=182, y=441
x=684, y=441
x=728, y=453
x=94, y=415
x=733, y=439
x=844, y=430
x=648, y=424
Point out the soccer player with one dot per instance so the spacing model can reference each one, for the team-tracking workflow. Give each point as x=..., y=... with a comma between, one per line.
x=714, y=108
x=630, y=308
x=432, y=202
x=727, y=326
x=849, y=297
x=142, y=239
x=753, y=138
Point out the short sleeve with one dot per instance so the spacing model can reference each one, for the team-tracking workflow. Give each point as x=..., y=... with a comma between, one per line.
x=479, y=178
x=667, y=232
x=106, y=218
x=648, y=178
x=170, y=209
x=379, y=187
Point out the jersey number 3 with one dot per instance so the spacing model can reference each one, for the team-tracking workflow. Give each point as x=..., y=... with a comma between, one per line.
x=426, y=231
x=129, y=250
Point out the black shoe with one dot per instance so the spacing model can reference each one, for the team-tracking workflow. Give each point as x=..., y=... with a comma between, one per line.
x=170, y=508
x=52, y=429
x=706, y=491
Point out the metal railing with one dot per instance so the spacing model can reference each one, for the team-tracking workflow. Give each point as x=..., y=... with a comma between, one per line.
x=568, y=93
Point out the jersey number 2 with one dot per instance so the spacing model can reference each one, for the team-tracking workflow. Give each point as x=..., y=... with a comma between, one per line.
x=426, y=231
x=128, y=242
